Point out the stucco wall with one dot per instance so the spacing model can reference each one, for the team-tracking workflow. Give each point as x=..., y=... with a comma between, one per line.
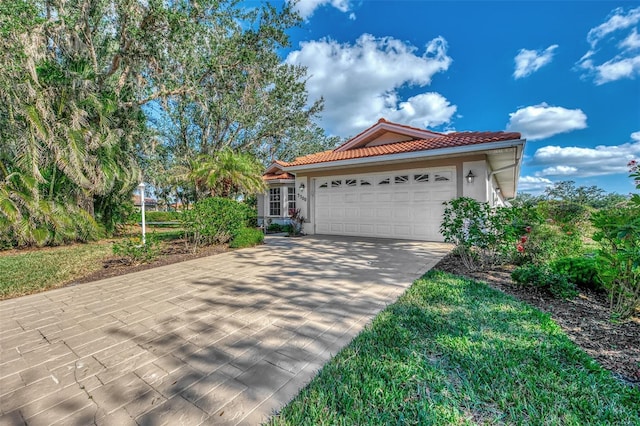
x=479, y=189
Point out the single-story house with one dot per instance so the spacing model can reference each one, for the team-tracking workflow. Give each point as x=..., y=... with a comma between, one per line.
x=150, y=204
x=390, y=181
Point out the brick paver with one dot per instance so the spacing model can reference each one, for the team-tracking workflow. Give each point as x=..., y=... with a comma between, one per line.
x=226, y=339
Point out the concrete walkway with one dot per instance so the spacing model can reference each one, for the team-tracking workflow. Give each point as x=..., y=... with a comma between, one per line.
x=226, y=339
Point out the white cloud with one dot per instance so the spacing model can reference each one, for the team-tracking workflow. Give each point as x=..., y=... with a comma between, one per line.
x=585, y=162
x=635, y=136
x=631, y=42
x=543, y=121
x=616, y=69
x=359, y=82
x=625, y=62
x=618, y=20
x=306, y=7
x=530, y=61
x=558, y=171
x=533, y=184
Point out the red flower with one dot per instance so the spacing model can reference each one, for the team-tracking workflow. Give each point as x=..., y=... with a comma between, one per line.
x=520, y=248
x=528, y=229
x=523, y=239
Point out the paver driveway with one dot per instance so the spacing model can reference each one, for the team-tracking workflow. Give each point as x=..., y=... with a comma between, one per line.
x=225, y=339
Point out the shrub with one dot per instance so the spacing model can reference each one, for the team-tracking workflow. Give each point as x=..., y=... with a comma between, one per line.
x=213, y=221
x=251, y=215
x=247, y=237
x=162, y=216
x=582, y=271
x=483, y=235
x=543, y=277
x=549, y=241
x=275, y=227
x=134, y=252
x=564, y=212
x=618, y=259
x=297, y=222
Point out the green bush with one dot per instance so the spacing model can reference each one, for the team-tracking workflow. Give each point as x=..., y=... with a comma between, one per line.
x=247, y=237
x=543, y=277
x=618, y=259
x=162, y=216
x=549, y=241
x=134, y=252
x=582, y=271
x=275, y=227
x=483, y=235
x=213, y=221
x=251, y=215
x=564, y=212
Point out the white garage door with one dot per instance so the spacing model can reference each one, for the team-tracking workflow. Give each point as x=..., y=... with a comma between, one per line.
x=405, y=204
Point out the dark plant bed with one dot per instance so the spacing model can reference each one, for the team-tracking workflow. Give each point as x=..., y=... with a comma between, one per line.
x=585, y=319
x=173, y=251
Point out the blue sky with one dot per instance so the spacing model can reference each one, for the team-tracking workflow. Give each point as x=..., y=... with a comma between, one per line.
x=564, y=74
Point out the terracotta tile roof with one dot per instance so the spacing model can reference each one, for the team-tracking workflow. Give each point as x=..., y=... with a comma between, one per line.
x=449, y=140
x=275, y=176
x=382, y=120
x=147, y=200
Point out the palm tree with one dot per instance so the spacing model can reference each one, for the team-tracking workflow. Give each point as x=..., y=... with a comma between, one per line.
x=228, y=174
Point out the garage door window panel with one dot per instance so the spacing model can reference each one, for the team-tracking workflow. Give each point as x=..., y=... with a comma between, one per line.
x=421, y=178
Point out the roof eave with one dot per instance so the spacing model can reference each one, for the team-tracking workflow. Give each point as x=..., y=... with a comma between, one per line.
x=467, y=149
x=269, y=181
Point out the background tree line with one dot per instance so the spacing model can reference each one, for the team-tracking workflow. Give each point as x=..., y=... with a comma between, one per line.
x=96, y=95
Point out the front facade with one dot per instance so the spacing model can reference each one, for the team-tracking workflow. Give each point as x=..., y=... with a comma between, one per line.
x=391, y=180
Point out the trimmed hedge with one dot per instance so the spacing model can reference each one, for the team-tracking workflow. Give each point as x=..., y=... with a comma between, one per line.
x=247, y=237
x=215, y=220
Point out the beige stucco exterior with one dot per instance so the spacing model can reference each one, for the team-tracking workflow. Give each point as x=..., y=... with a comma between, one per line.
x=495, y=169
x=482, y=189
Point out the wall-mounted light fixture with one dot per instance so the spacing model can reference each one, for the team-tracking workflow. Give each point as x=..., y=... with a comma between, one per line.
x=470, y=177
x=301, y=187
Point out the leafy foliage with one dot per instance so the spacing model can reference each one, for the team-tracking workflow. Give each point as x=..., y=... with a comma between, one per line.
x=549, y=241
x=582, y=271
x=93, y=92
x=247, y=237
x=227, y=174
x=214, y=221
x=297, y=222
x=483, y=235
x=618, y=260
x=135, y=252
x=543, y=277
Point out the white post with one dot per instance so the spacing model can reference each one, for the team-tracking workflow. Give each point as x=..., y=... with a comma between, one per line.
x=144, y=231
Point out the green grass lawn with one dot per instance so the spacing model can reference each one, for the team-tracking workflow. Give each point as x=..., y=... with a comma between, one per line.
x=36, y=270
x=454, y=351
x=31, y=271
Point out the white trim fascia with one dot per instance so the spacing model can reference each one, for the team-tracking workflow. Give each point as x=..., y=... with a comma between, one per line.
x=409, y=155
x=268, y=182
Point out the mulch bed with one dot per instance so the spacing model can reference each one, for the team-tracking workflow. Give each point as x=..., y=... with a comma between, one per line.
x=172, y=252
x=585, y=319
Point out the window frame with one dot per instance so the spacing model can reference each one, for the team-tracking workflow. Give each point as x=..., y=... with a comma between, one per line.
x=291, y=199
x=275, y=200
